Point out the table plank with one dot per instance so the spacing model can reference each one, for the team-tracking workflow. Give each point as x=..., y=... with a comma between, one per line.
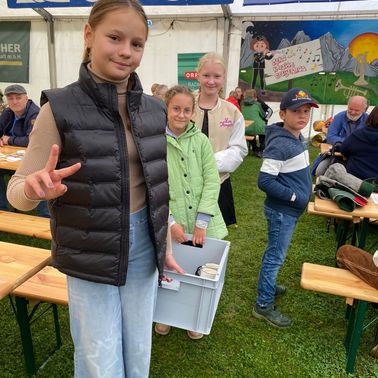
x=368, y=211
x=18, y=263
x=10, y=150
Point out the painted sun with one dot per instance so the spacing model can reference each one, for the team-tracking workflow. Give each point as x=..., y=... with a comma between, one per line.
x=366, y=43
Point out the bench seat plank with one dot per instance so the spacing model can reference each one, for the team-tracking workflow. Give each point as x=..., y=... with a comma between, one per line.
x=336, y=281
x=24, y=224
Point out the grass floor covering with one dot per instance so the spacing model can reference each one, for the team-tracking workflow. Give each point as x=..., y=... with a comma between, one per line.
x=238, y=345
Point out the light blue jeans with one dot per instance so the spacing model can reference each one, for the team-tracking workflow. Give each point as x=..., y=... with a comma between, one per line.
x=111, y=326
x=280, y=230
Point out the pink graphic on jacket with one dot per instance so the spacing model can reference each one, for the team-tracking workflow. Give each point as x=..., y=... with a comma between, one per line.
x=227, y=123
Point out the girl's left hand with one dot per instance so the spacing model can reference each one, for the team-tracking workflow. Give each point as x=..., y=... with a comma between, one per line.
x=199, y=236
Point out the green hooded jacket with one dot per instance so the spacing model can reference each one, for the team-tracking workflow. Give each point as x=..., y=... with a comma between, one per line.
x=194, y=181
x=253, y=111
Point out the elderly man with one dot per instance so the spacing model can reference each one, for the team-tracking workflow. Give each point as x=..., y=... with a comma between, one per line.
x=348, y=120
x=16, y=123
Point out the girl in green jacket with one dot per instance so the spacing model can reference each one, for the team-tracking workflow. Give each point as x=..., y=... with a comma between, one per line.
x=193, y=180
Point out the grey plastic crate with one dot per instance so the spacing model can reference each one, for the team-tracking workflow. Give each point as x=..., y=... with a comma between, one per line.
x=190, y=302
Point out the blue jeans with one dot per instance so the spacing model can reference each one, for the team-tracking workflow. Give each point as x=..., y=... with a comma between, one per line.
x=111, y=326
x=280, y=230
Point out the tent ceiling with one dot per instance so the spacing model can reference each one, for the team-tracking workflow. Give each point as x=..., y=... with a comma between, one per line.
x=352, y=9
x=82, y=12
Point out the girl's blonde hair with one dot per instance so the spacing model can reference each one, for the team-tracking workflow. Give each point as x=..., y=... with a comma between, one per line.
x=215, y=58
x=178, y=89
x=102, y=7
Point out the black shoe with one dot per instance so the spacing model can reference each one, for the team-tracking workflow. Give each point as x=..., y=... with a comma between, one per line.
x=272, y=315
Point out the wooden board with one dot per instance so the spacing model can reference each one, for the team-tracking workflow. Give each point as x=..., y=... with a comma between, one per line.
x=48, y=285
x=10, y=150
x=328, y=206
x=311, y=210
x=336, y=281
x=18, y=263
x=23, y=224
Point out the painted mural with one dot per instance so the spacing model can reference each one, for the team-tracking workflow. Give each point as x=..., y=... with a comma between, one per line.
x=333, y=59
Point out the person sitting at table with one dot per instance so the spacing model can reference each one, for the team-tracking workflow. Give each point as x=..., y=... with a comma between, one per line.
x=16, y=124
x=2, y=103
x=345, y=122
x=253, y=111
x=361, y=149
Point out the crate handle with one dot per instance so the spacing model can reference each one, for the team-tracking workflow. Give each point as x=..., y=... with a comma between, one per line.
x=173, y=285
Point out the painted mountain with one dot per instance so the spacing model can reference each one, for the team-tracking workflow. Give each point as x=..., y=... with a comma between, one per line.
x=335, y=56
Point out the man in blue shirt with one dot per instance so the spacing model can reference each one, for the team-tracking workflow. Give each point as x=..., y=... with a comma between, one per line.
x=16, y=123
x=348, y=120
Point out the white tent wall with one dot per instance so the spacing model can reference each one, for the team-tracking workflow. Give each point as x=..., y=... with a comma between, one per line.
x=159, y=64
x=192, y=35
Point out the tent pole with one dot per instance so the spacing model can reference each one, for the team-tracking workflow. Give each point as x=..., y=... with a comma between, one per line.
x=226, y=38
x=51, y=44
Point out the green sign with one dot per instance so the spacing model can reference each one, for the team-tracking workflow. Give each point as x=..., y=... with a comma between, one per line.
x=187, y=69
x=14, y=51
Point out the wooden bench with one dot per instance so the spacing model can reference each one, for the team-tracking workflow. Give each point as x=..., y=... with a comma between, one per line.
x=23, y=224
x=343, y=283
x=49, y=286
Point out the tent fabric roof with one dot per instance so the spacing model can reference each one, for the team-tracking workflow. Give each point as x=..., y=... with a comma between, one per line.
x=368, y=8
x=83, y=12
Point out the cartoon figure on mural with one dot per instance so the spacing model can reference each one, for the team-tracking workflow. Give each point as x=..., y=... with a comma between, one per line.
x=260, y=47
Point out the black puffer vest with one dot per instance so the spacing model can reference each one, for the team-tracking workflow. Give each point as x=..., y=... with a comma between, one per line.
x=90, y=222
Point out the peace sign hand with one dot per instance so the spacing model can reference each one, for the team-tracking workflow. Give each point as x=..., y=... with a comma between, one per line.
x=47, y=184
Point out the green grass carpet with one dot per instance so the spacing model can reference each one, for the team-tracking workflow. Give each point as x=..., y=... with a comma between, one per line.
x=238, y=345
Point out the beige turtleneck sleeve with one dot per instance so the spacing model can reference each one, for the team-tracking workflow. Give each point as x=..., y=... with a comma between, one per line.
x=45, y=134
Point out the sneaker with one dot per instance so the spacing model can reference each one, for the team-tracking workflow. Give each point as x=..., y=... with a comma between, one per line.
x=162, y=329
x=195, y=335
x=272, y=315
x=280, y=290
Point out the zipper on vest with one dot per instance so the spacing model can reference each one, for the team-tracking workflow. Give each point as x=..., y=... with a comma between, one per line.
x=125, y=213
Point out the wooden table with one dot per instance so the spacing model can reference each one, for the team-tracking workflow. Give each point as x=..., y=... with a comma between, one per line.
x=325, y=147
x=18, y=263
x=360, y=216
x=11, y=151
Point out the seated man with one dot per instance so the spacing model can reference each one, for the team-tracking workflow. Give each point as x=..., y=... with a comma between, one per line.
x=348, y=120
x=16, y=123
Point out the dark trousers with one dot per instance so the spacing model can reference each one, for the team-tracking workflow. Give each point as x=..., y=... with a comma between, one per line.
x=260, y=72
x=261, y=147
x=226, y=203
